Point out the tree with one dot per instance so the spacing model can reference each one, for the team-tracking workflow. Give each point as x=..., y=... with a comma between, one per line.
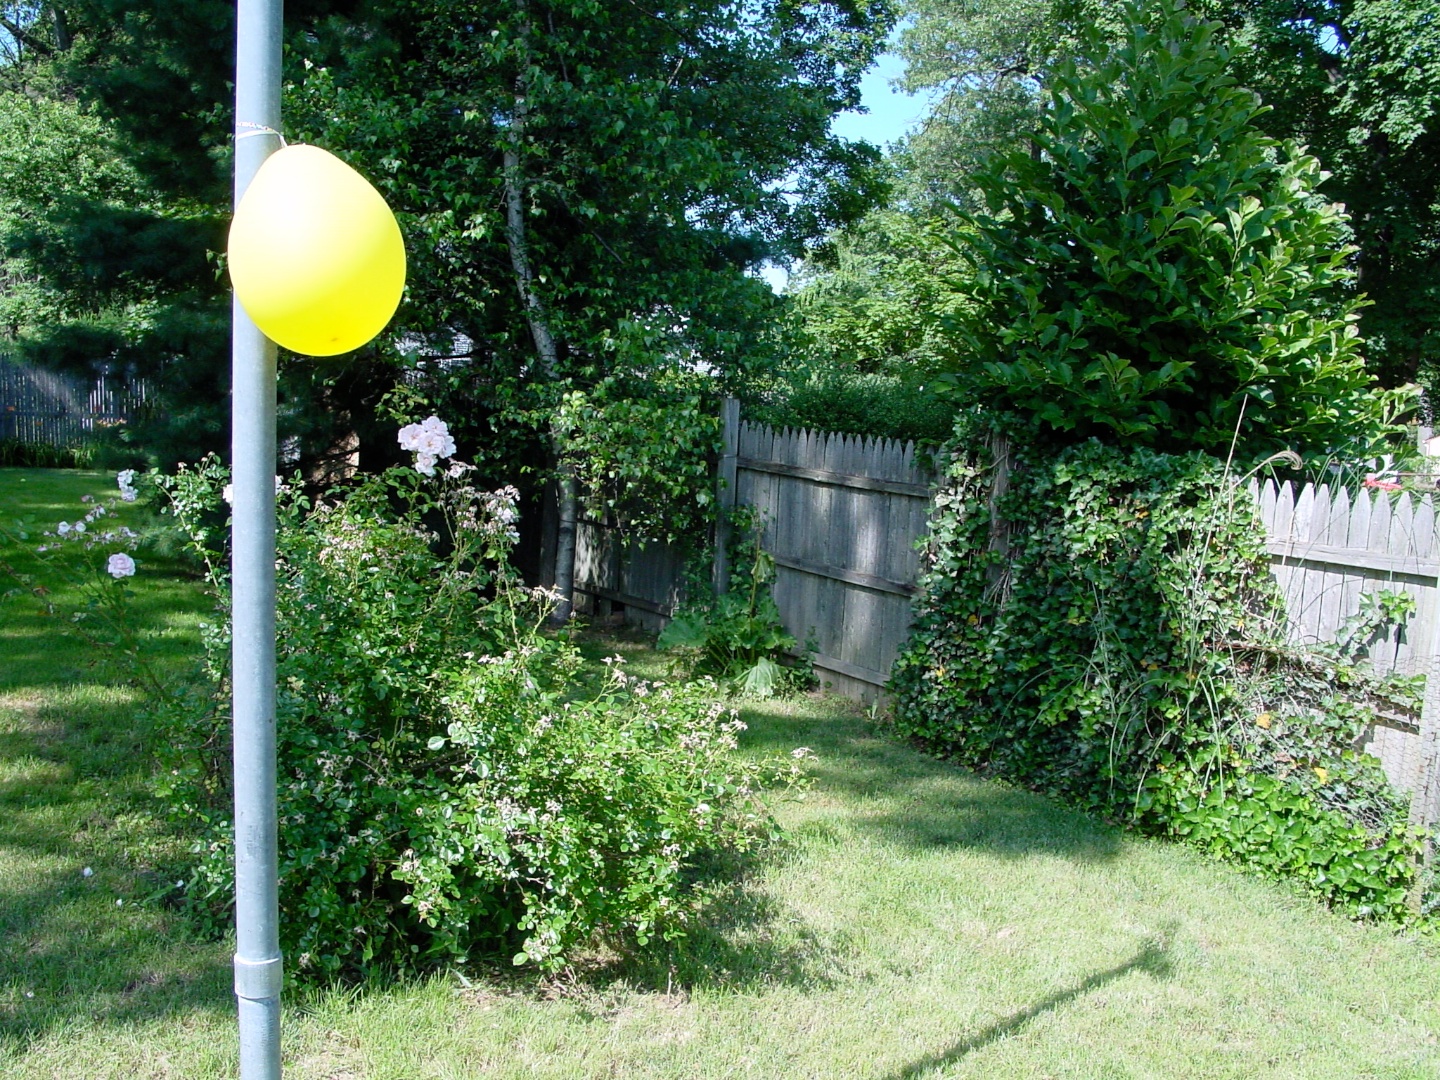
x=1161, y=272
x=1359, y=82
x=1356, y=81
x=871, y=296
x=606, y=175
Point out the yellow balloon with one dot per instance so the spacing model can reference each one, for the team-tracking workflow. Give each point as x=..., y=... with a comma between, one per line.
x=316, y=256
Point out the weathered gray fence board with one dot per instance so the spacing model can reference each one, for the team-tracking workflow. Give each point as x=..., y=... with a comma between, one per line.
x=840, y=515
x=1328, y=549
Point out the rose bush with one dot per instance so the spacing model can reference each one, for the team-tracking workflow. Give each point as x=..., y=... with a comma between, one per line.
x=445, y=793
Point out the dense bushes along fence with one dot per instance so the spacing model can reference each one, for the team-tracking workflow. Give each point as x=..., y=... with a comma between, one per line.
x=1123, y=648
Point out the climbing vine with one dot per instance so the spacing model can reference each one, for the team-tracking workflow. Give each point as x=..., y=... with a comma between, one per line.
x=1107, y=631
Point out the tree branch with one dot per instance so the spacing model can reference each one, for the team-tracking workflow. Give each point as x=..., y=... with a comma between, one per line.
x=20, y=34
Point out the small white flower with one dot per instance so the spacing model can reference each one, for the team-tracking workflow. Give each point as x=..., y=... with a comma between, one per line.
x=120, y=565
x=87, y=872
x=128, y=494
x=228, y=494
x=78, y=527
x=125, y=478
x=63, y=528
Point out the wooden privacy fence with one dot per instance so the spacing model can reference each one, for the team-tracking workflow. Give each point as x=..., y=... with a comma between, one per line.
x=1327, y=549
x=840, y=515
x=38, y=406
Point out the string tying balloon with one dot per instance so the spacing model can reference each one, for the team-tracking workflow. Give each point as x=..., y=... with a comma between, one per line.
x=257, y=129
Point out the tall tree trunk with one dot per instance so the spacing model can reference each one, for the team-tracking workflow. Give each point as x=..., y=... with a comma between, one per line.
x=62, y=28
x=566, y=484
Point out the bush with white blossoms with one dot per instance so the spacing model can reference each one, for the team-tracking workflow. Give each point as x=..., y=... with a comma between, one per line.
x=444, y=795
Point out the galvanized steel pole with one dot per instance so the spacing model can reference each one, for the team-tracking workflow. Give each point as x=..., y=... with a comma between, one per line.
x=257, y=916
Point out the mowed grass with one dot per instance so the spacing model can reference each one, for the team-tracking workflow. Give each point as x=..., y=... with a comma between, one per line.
x=919, y=922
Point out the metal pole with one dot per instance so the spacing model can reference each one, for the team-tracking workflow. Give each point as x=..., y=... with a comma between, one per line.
x=725, y=493
x=257, y=916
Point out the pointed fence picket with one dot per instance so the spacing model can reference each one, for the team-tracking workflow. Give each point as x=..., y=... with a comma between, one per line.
x=44, y=407
x=1328, y=549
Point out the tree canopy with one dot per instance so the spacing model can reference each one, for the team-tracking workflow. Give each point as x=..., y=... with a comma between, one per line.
x=1162, y=272
x=659, y=153
x=1357, y=82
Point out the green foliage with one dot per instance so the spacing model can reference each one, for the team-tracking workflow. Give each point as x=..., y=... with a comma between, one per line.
x=645, y=456
x=737, y=637
x=656, y=139
x=34, y=455
x=1125, y=654
x=90, y=555
x=871, y=297
x=1358, y=81
x=880, y=406
x=1163, y=273
x=444, y=794
x=1355, y=81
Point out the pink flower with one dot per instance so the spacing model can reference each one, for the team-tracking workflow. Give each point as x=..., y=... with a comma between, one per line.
x=120, y=565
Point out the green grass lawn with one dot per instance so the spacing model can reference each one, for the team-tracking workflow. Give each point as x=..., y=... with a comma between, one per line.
x=920, y=923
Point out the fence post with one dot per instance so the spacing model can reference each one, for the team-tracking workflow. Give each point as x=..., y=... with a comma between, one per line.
x=1425, y=800
x=725, y=492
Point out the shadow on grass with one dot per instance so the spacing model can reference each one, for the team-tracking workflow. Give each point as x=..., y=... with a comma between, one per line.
x=1153, y=960
x=922, y=802
x=741, y=940
x=69, y=957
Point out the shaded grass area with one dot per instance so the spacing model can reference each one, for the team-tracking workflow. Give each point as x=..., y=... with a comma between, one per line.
x=75, y=756
x=917, y=923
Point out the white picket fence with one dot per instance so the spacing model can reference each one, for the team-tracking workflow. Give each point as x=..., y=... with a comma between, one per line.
x=1328, y=547
x=39, y=406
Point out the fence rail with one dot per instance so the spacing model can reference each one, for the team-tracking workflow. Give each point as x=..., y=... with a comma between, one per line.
x=38, y=406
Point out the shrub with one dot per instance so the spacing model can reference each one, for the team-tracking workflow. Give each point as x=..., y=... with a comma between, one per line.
x=1125, y=654
x=444, y=794
x=738, y=637
x=34, y=455
x=875, y=405
x=1159, y=272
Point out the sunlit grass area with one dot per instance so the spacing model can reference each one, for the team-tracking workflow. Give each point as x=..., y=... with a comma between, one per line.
x=916, y=923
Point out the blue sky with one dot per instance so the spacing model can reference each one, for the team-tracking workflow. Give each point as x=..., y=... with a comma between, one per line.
x=891, y=114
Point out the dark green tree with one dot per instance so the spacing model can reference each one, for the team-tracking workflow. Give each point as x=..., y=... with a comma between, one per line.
x=585, y=188
x=1355, y=81
x=1161, y=272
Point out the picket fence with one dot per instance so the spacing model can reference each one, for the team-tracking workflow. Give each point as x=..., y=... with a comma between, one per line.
x=38, y=406
x=1328, y=548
